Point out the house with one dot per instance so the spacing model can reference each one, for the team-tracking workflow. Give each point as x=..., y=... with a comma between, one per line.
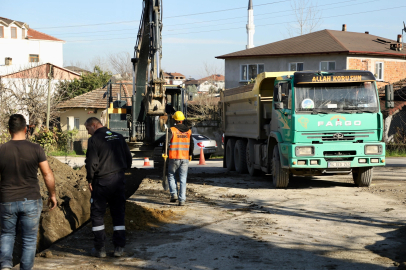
x=74, y=112
x=26, y=91
x=174, y=78
x=79, y=70
x=322, y=50
x=22, y=46
x=213, y=82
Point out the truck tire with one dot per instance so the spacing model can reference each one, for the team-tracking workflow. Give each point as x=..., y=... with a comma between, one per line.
x=280, y=176
x=362, y=176
x=230, y=155
x=250, y=162
x=240, y=160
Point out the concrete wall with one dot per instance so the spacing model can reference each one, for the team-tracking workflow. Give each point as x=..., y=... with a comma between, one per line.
x=271, y=64
x=19, y=49
x=211, y=129
x=80, y=113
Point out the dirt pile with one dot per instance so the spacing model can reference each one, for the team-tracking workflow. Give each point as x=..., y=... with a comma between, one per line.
x=73, y=210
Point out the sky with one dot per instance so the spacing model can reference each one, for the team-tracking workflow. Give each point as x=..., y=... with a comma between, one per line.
x=194, y=32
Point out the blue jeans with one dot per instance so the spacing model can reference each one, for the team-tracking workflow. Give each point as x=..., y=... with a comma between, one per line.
x=179, y=166
x=28, y=212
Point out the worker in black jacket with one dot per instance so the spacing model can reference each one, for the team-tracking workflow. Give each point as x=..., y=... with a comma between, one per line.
x=107, y=157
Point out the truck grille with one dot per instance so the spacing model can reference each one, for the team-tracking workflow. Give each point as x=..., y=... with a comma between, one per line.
x=339, y=153
x=338, y=136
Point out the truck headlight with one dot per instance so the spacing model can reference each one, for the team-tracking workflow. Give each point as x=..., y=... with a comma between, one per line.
x=304, y=151
x=373, y=149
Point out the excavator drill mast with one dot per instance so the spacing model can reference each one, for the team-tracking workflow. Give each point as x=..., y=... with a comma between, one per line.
x=148, y=81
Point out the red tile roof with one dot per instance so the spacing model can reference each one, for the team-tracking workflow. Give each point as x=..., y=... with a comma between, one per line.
x=34, y=34
x=214, y=77
x=94, y=99
x=9, y=21
x=324, y=41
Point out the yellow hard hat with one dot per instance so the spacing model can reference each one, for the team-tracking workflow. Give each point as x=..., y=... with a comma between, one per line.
x=178, y=116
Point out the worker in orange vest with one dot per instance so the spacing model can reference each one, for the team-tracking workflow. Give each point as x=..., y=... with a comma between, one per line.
x=180, y=153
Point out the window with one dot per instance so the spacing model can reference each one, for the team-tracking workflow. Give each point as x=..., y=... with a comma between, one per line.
x=1, y=31
x=34, y=58
x=23, y=34
x=77, y=123
x=13, y=32
x=249, y=72
x=296, y=66
x=326, y=65
x=379, y=71
x=67, y=123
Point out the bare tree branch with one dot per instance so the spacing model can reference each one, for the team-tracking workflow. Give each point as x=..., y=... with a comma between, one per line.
x=307, y=15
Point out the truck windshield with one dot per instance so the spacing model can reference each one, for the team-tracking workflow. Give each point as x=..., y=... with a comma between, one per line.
x=326, y=98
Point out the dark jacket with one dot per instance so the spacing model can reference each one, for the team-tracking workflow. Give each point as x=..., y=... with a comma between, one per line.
x=107, y=152
x=182, y=128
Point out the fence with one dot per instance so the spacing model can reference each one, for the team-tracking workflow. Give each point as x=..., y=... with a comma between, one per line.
x=79, y=142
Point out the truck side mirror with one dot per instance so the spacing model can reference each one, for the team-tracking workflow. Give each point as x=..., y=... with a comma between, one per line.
x=389, y=96
x=278, y=105
x=279, y=92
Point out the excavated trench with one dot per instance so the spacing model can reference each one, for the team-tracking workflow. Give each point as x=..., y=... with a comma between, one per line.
x=73, y=209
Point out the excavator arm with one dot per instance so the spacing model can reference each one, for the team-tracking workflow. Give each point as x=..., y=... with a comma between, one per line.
x=148, y=81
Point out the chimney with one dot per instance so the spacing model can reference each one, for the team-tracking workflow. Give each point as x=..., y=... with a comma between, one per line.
x=344, y=27
x=399, y=38
x=367, y=32
x=9, y=61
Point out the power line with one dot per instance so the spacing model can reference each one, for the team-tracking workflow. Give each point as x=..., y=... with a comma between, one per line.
x=186, y=15
x=216, y=11
x=63, y=35
x=274, y=16
x=217, y=30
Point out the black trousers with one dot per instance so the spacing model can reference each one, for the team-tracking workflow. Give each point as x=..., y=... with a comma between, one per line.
x=109, y=189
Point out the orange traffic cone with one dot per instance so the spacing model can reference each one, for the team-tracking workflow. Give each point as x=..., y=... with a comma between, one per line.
x=146, y=162
x=202, y=161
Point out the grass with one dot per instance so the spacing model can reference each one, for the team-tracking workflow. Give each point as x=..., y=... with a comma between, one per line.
x=66, y=153
x=396, y=153
x=216, y=157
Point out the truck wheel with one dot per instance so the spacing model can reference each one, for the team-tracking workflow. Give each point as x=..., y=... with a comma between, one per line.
x=240, y=160
x=230, y=155
x=362, y=176
x=207, y=156
x=280, y=176
x=250, y=162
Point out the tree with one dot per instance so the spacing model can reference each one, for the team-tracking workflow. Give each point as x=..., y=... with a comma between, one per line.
x=307, y=16
x=121, y=64
x=204, y=107
x=26, y=92
x=87, y=82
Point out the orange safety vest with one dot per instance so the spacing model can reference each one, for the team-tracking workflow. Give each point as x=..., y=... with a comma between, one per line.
x=180, y=144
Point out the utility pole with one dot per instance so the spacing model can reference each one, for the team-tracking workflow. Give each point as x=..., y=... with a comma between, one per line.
x=50, y=75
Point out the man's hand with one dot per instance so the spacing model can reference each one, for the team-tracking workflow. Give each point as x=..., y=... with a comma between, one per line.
x=90, y=187
x=52, y=202
x=190, y=158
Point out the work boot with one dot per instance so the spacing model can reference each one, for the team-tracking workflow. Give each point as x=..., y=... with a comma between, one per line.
x=174, y=198
x=118, y=251
x=100, y=253
x=181, y=203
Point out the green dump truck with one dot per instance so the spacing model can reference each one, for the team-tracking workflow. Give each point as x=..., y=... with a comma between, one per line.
x=304, y=123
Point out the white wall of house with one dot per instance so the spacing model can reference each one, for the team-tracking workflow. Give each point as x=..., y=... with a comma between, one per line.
x=205, y=86
x=19, y=49
x=273, y=64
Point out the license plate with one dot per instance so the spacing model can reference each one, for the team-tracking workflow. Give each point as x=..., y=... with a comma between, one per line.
x=210, y=151
x=339, y=164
